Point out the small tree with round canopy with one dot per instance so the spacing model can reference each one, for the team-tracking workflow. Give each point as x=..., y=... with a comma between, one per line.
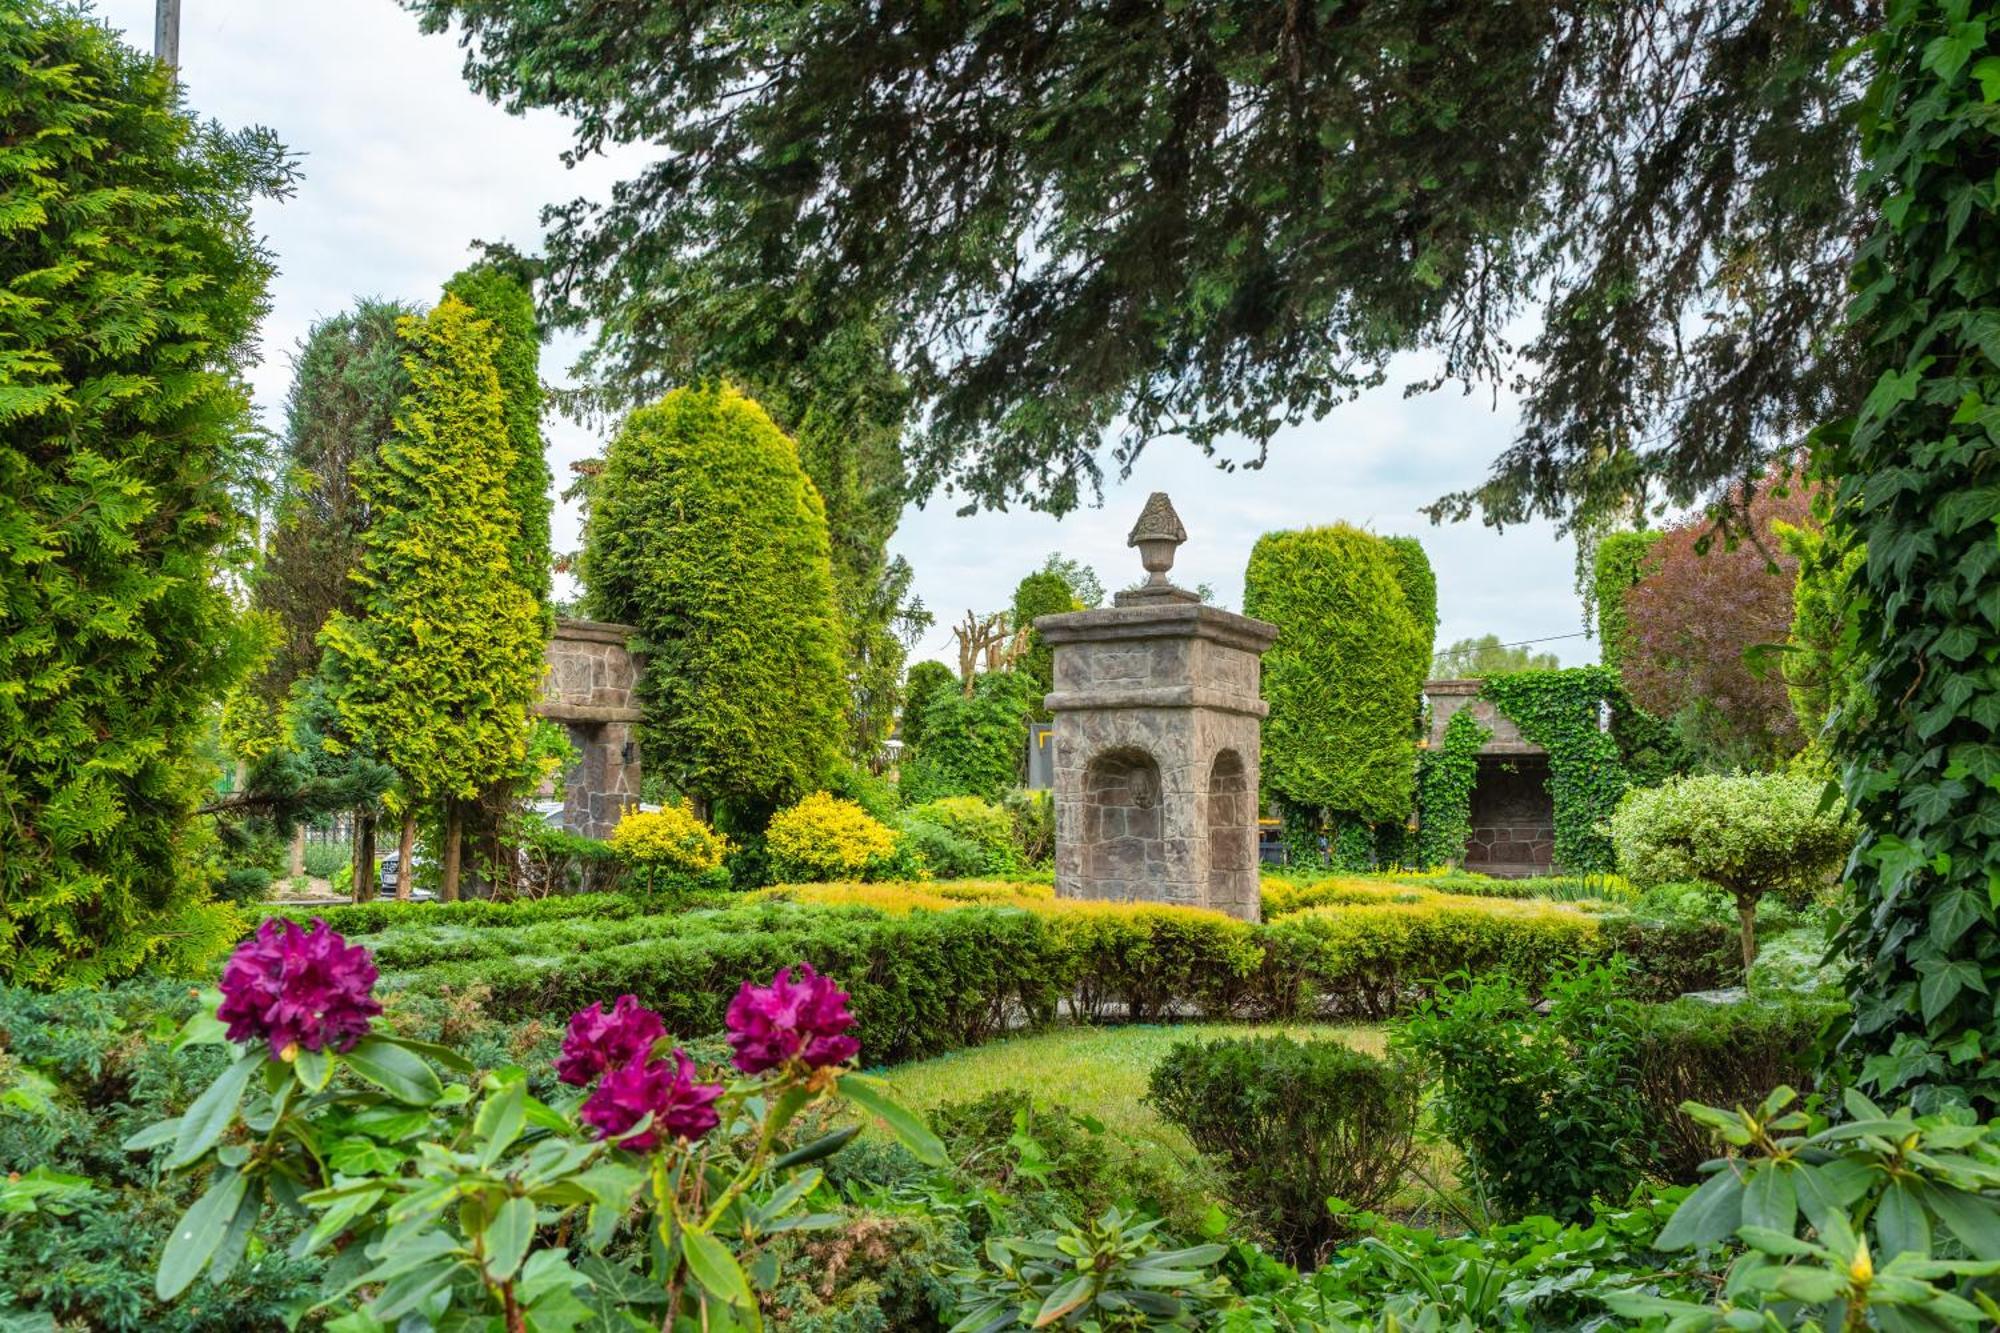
x=1746, y=833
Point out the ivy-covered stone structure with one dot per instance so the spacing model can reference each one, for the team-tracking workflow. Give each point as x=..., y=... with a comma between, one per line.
x=1511, y=827
x=1550, y=772
x=1157, y=740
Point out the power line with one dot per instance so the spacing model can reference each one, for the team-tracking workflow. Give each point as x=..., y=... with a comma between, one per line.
x=1520, y=643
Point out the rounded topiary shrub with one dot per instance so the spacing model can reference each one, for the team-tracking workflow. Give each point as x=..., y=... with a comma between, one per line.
x=670, y=844
x=1748, y=834
x=825, y=838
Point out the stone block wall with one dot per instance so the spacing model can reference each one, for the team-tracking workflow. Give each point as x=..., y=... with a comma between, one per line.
x=592, y=689
x=1157, y=721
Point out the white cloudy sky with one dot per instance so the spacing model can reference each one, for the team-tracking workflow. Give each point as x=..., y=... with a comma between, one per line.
x=404, y=167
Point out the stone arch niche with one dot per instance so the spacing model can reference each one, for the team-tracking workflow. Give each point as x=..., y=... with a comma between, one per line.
x=1232, y=837
x=1124, y=835
x=1156, y=740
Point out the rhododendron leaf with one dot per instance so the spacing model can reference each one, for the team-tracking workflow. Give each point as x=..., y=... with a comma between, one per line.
x=1708, y=1216
x=502, y=1117
x=716, y=1269
x=313, y=1070
x=507, y=1238
x=198, y=1233
x=236, y=1238
x=1064, y=1299
x=873, y=1096
x=152, y=1136
x=430, y=1050
x=398, y=1072
x=211, y=1113
x=824, y=1146
x=203, y=1028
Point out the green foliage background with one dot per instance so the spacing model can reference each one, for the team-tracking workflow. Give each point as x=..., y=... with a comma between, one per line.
x=131, y=284
x=1621, y=559
x=347, y=379
x=705, y=532
x=1346, y=673
x=972, y=745
x=1043, y=593
x=501, y=298
x=436, y=671
x=1913, y=474
x=1420, y=588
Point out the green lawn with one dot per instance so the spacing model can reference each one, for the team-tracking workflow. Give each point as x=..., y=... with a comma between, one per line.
x=1097, y=1071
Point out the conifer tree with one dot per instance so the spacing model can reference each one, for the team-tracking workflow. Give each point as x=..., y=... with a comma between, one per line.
x=442, y=659
x=705, y=532
x=133, y=285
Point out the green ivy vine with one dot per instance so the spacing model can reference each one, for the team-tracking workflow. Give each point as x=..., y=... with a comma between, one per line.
x=1914, y=473
x=1560, y=711
x=1445, y=778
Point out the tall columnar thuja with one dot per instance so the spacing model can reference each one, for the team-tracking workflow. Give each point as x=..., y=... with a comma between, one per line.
x=497, y=290
x=1343, y=680
x=1917, y=472
x=706, y=533
x=133, y=283
x=439, y=665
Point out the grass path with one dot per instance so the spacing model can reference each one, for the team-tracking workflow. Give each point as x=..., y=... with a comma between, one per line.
x=1097, y=1071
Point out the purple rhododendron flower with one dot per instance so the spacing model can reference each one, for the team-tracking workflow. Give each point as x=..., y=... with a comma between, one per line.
x=681, y=1108
x=800, y=1015
x=298, y=989
x=598, y=1041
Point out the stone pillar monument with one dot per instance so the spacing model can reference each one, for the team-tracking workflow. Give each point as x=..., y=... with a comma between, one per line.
x=1157, y=720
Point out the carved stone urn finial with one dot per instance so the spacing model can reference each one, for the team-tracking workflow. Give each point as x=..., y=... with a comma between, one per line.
x=1156, y=534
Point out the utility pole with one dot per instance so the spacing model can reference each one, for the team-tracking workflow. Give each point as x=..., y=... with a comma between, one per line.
x=167, y=34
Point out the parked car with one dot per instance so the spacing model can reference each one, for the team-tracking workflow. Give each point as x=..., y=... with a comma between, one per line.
x=391, y=868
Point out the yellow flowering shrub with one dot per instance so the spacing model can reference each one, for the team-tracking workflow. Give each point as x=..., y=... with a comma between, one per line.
x=670, y=838
x=826, y=838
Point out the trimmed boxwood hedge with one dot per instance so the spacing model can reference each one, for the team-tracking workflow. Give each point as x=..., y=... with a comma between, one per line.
x=927, y=981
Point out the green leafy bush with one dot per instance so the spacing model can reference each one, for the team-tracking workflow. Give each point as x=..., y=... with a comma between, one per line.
x=1293, y=1124
x=973, y=745
x=1720, y=1055
x=324, y=859
x=1034, y=818
x=942, y=853
x=1747, y=833
x=1344, y=678
x=1545, y=1107
x=1109, y=1272
x=135, y=283
x=988, y=829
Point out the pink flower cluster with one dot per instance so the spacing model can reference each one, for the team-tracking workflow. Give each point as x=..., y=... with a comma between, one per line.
x=801, y=1015
x=618, y=1046
x=298, y=989
x=598, y=1041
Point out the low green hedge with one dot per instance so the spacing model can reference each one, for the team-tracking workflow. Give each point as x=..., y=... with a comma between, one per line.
x=925, y=982
x=1723, y=1055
